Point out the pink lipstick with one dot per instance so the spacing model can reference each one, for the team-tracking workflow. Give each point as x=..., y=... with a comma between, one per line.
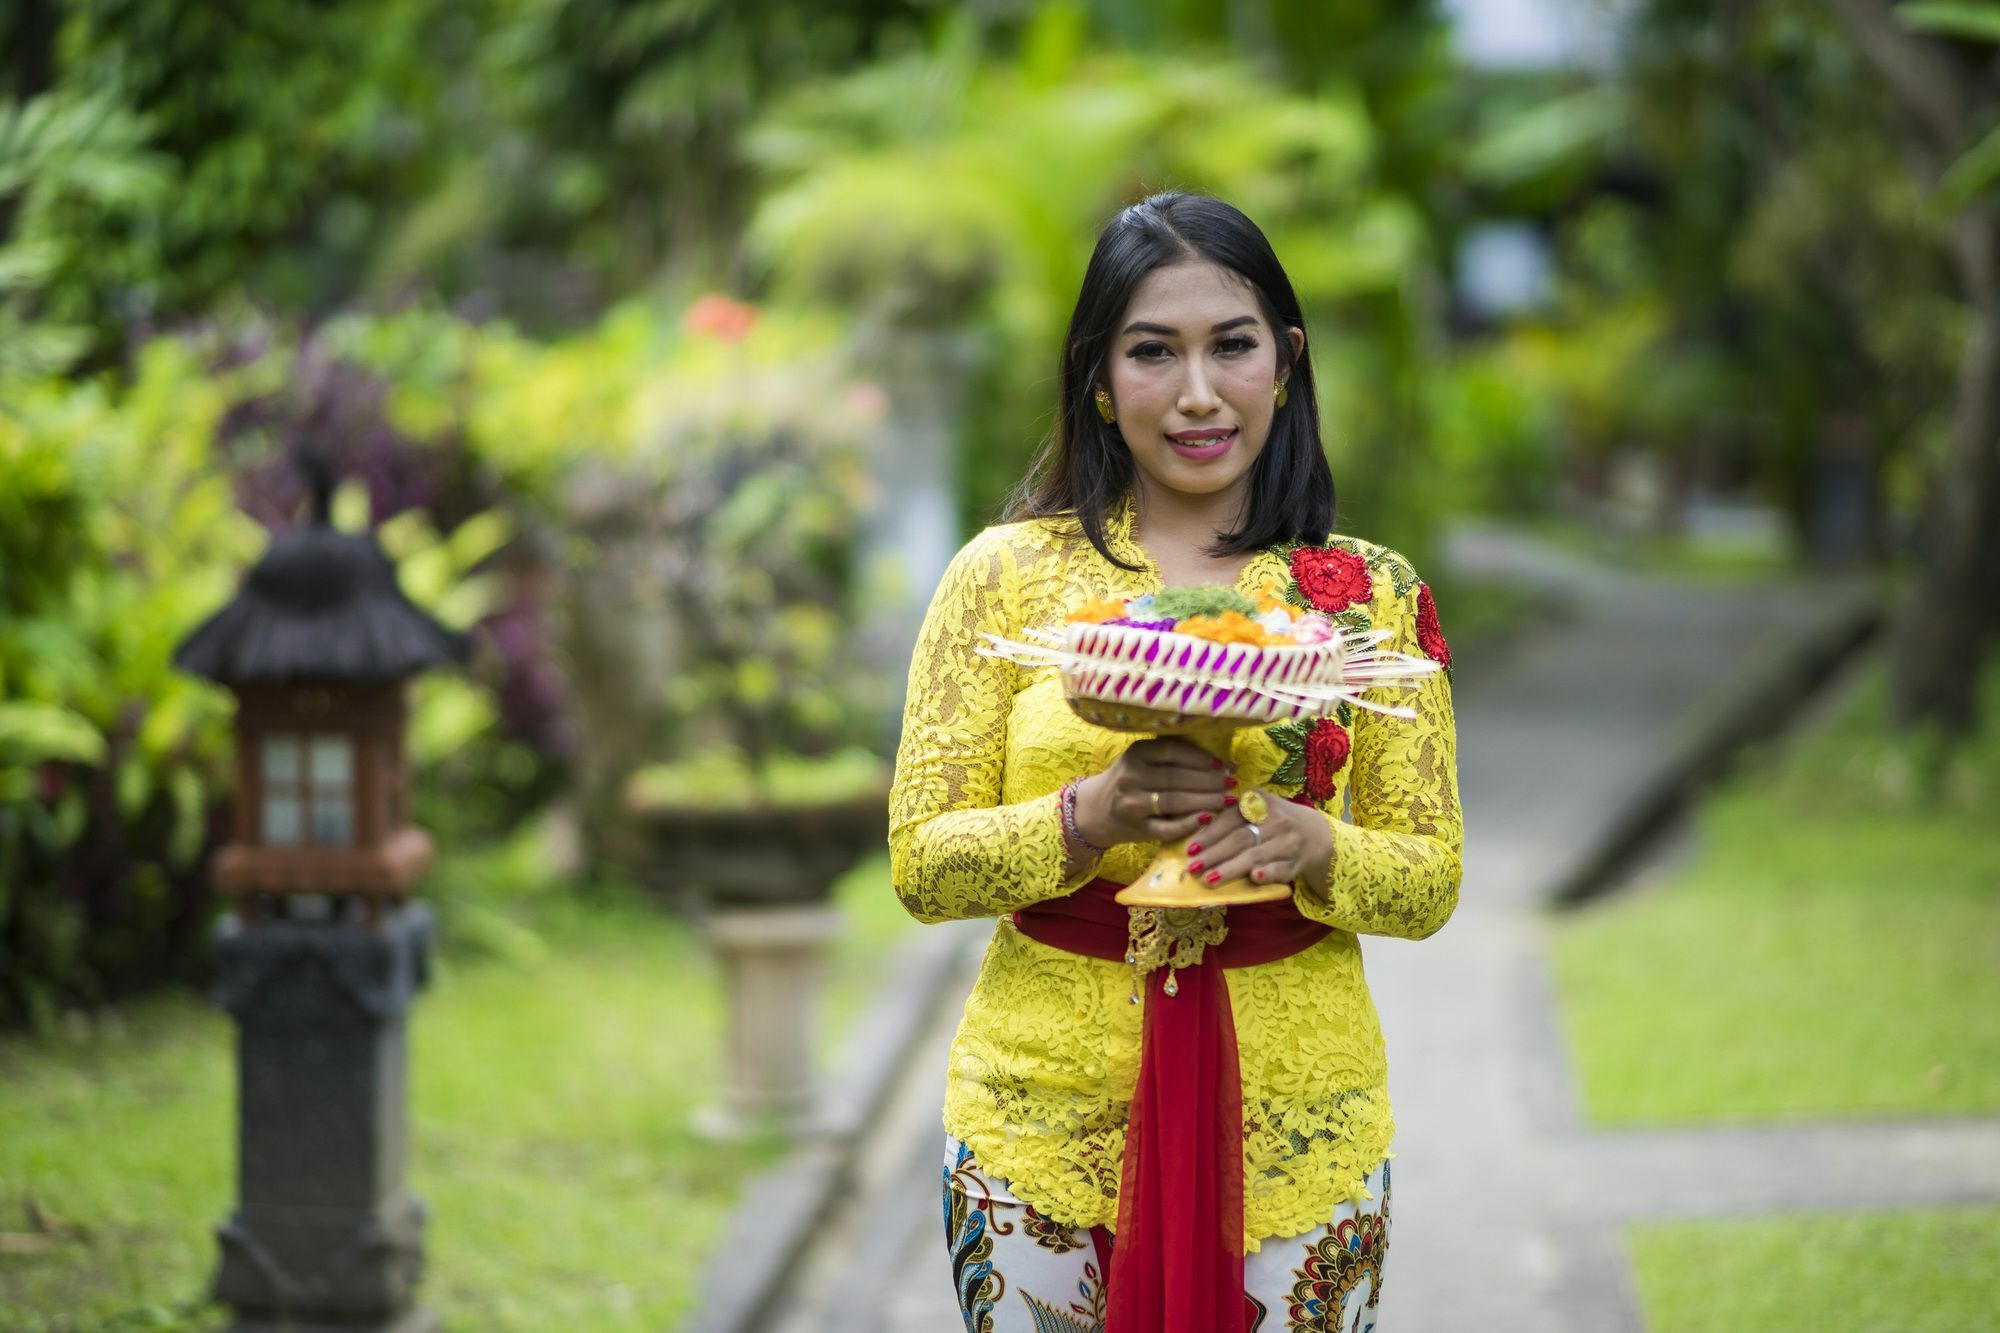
x=1204, y=445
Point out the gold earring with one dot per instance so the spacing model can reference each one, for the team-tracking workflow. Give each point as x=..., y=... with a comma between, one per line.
x=1104, y=406
x=1279, y=393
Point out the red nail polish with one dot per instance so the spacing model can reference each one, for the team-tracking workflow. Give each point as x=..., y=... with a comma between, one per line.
x=1213, y=877
x=1194, y=849
x=1216, y=763
x=1194, y=867
x=1258, y=874
x=1205, y=816
x=1229, y=782
x=1229, y=800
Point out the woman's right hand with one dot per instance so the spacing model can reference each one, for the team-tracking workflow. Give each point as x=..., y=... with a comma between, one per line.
x=1118, y=804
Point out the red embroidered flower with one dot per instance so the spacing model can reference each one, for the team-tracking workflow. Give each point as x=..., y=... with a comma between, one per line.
x=1326, y=754
x=1429, y=637
x=1332, y=580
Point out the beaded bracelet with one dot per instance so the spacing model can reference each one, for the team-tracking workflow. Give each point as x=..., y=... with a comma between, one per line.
x=1071, y=833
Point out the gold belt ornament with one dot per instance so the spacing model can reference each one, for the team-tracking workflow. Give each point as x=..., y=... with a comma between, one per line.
x=1173, y=938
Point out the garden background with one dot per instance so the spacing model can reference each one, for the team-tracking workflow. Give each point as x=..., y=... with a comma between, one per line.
x=670, y=348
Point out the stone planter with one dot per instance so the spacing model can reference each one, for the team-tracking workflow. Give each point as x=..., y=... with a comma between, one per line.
x=757, y=878
x=758, y=855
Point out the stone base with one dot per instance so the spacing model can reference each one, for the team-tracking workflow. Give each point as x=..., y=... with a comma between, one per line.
x=722, y=1124
x=324, y=1235
x=772, y=959
x=325, y=1264
x=413, y=1321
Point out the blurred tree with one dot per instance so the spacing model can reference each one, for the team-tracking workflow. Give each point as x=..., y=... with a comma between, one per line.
x=1783, y=247
x=1949, y=87
x=961, y=187
x=592, y=145
x=285, y=128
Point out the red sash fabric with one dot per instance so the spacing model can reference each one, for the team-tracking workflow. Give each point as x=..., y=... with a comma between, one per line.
x=1179, y=1252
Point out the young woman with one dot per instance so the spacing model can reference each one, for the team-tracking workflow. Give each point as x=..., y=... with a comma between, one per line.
x=1186, y=450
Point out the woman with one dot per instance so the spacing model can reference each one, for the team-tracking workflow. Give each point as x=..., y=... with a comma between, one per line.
x=1186, y=451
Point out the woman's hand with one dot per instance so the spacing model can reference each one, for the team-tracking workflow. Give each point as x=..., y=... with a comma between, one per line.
x=1159, y=790
x=1293, y=844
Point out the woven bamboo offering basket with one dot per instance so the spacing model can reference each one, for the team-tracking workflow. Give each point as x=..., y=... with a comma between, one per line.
x=1163, y=683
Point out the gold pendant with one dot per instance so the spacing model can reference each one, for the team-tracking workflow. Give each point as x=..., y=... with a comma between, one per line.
x=1173, y=938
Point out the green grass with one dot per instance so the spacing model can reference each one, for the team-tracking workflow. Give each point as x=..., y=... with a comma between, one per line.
x=555, y=1063
x=1920, y=1271
x=1833, y=948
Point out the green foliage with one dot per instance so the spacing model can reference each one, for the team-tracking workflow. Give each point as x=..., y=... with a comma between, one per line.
x=120, y=535
x=1972, y=21
x=256, y=164
x=59, y=153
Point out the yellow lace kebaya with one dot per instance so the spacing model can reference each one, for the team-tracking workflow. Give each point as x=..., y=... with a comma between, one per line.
x=1043, y=1066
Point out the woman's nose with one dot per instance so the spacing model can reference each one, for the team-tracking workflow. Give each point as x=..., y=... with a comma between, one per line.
x=1197, y=396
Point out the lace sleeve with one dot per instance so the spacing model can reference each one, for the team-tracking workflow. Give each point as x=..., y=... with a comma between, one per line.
x=955, y=852
x=1396, y=868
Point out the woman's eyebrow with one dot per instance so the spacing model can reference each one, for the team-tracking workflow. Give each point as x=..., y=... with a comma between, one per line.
x=1136, y=327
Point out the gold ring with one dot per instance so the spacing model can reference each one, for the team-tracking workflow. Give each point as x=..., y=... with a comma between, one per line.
x=1156, y=805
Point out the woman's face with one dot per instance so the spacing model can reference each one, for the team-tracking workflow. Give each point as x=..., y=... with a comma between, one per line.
x=1192, y=370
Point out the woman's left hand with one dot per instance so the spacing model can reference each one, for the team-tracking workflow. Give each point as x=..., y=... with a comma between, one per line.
x=1293, y=843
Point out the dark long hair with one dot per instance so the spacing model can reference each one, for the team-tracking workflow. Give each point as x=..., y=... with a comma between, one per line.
x=1084, y=467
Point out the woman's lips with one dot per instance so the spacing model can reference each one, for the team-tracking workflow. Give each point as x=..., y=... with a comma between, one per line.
x=1198, y=449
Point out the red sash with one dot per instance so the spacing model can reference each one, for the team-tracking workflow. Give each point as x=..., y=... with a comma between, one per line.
x=1180, y=1191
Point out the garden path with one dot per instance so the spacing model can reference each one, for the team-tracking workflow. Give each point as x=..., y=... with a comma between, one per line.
x=1507, y=1208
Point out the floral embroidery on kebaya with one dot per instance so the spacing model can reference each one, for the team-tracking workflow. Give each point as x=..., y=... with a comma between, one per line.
x=1327, y=745
x=1429, y=637
x=1331, y=580
x=1315, y=752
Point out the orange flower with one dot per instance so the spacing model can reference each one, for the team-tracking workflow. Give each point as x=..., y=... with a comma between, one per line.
x=720, y=317
x=1096, y=613
x=1228, y=627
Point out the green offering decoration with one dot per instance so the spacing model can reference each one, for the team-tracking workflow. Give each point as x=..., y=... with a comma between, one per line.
x=1209, y=599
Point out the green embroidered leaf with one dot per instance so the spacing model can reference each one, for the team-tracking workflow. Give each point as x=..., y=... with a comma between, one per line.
x=1291, y=738
x=1344, y=714
x=1353, y=619
x=1402, y=574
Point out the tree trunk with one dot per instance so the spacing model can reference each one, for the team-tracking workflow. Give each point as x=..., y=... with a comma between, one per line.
x=1950, y=616
x=1948, y=621
x=32, y=38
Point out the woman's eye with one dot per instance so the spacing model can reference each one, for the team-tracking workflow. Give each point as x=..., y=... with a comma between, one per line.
x=1235, y=346
x=1148, y=352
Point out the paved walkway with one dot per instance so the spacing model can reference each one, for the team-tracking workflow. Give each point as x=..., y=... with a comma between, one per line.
x=1507, y=1207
